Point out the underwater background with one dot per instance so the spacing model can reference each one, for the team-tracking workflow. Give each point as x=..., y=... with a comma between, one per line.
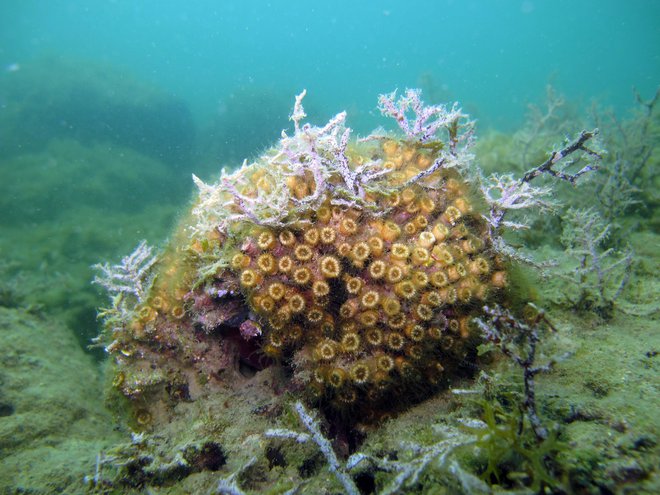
x=108, y=107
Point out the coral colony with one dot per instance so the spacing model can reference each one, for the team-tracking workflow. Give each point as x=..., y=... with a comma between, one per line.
x=358, y=266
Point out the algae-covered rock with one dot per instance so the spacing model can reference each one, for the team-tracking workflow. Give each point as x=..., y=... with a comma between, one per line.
x=52, y=419
x=55, y=98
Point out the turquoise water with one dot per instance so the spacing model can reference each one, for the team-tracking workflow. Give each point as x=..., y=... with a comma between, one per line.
x=494, y=56
x=108, y=107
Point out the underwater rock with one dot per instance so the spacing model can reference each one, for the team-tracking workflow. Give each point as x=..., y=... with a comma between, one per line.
x=357, y=266
x=52, y=98
x=52, y=419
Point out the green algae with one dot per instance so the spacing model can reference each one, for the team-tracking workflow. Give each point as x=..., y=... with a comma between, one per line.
x=53, y=422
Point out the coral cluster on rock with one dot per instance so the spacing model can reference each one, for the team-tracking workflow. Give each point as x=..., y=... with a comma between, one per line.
x=356, y=265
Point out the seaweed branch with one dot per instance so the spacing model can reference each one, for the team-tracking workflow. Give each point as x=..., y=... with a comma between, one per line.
x=504, y=193
x=600, y=275
x=311, y=424
x=518, y=341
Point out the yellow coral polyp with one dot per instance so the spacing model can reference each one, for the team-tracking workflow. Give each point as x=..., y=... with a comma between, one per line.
x=453, y=188
x=271, y=351
x=408, y=195
x=442, y=255
x=394, y=274
x=397, y=321
x=178, y=312
x=374, y=336
x=348, y=226
x=344, y=249
x=240, y=261
x=327, y=235
x=157, y=302
x=456, y=272
x=448, y=295
x=459, y=231
x=320, y=288
x=312, y=236
x=370, y=299
x=337, y=377
x=315, y=315
x=409, y=229
x=347, y=396
x=360, y=373
x=499, y=279
x=432, y=298
x=326, y=350
x=440, y=231
x=276, y=338
x=266, y=240
x=368, y=318
x=267, y=264
x=399, y=251
x=276, y=291
x=405, y=289
x=426, y=240
x=302, y=276
x=353, y=285
x=350, y=342
x=384, y=363
x=285, y=264
x=394, y=199
x=390, y=147
x=471, y=245
x=463, y=205
x=464, y=294
x=427, y=205
x=451, y=215
x=435, y=333
x=303, y=252
x=266, y=304
x=147, y=314
x=423, y=312
x=330, y=267
x=391, y=306
x=419, y=279
x=376, y=245
x=421, y=222
x=296, y=303
x=327, y=325
x=249, y=278
x=287, y=238
x=390, y=231
x=324, y=214
x=377, y=269
x=439, y=278
x=412, y=208
x=420, y=255
x=360, y=252
x=348, y=309
x=395, y=341
x=415, y=333
x=414, y=352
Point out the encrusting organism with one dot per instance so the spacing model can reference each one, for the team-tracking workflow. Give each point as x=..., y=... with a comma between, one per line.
x=359, y=265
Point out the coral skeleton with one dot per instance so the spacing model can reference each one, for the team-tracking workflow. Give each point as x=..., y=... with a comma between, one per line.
x=131, y=276
x=518, y=340
x=312, y=425
x=600, y=275
x=128, y=284
x=505, y=194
